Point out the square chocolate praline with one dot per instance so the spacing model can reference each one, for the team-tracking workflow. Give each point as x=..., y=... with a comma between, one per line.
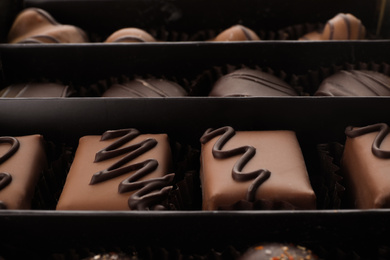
x=79, y=194
x=277, y=151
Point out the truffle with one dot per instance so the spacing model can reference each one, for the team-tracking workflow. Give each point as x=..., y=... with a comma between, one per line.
x=34, y=25
x=341, y=27
x=22, y=161
x=250, y=83
x=130, y=35
x=146, y=88
x=253, y=166
x=366, y=164
x=120, y=170
x=237, y=33
x=36, y=89
x=278, y=251
x=355, y=83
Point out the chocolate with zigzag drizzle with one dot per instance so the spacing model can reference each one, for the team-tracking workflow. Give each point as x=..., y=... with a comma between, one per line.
x=366, y=166
x=251, y=166
x=22, y=160
x=250, y=83
x=120, y=170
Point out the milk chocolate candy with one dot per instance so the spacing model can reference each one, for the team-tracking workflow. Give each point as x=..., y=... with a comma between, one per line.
x=253, y=166
x=366, y=166
x=22, y=160
x=278, y=251
x=130, y=35
x=146, y=88
x=35, y=89
x=250, y=83
x=119, y=170
x=237, y=33
x=341, y=27
x=355, y=83
x=34, y=25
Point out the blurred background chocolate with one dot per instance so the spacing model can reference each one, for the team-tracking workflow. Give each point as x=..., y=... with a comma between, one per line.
x=355, y=83
x=146, y=88
x=34, y=25
x=277, y=251
x=237, y=33
x=36, y=89
x=341, y=27
x=250, y=83
x=130, y=35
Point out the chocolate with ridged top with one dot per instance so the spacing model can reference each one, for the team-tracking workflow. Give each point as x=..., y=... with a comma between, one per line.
x=341, y=27
x=278, y=251
x=237, y=33
x=146, y=88
x=250, y=83
x=253, y=166
x=22, y=161
x=130, y=35
x=120, y=170
x=355, y=83
x=35, y=89
x=366, y=166
x=34, y=25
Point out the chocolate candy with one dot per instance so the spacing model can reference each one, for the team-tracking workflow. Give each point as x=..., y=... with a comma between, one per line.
x=278, y=251
x=341, y=27
x=34, y=25
x=146, y=88
x=253, y=166
x=130, y=35
x=36, y=89
x=22, y=160
x=237, y=33
x=250, y=83
x=355, y=83
x=366, y=165
x=119, y=170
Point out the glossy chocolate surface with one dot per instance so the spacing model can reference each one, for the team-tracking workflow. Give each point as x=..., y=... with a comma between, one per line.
x=22, y=161
x=130, y=35
x=275, y=151
x=341, y=27
x=237, y=33
x=36, y=89
x=120, y=170
x=355, y=83
x=251, y=83
x=34, y=25
x=146, y=88
x=366, y=164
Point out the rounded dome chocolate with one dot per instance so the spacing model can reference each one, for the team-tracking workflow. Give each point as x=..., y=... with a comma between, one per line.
x=237, y=33
x=355, y=83
x=278, y=251
x=130, y=35
x=251, y=83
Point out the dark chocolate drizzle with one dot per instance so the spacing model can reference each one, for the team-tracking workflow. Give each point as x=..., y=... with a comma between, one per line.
x=247, y=152
x=246, y=33
x=150, y=191
x=5, y=177
x=375, y=148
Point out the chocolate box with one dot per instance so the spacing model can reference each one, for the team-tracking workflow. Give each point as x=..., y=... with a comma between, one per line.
x=331, y=232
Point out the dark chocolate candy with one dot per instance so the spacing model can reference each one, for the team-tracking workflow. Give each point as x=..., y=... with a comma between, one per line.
x=34, y=25
x=146, y=88
x=253, y=166
x=237, y=33
x=130, y=35
x=341, y=27
x=119, y=170
x=355, y=83
x=36, y=89
x=251, y=83
x=278, y=251
x=22, y=161
x=366, y=166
